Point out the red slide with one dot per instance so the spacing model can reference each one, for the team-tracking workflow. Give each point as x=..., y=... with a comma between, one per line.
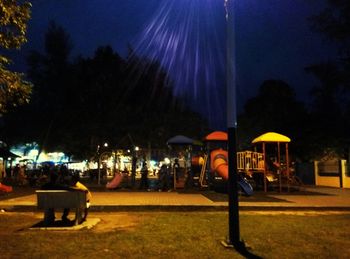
x=219, y=162
x=5, y=188
x=115, y=182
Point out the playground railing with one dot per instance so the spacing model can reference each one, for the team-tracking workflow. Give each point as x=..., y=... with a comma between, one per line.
x=250, y=161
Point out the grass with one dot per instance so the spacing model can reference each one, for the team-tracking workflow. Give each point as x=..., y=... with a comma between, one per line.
x=179, y=235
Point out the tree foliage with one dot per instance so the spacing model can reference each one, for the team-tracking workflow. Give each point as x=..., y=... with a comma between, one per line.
x=14, y=89
x=276, y=109
x=331, y=98
x=80, y=104
x=334, y=23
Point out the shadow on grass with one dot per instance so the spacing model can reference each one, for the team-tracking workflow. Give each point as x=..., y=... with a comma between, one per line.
x=246, y=253
x=241, y=248
x=222, y=197
x=55, y=224
x=260, y=196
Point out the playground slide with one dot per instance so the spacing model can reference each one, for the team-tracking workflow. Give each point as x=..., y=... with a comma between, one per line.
x=115, y=182
x=219, y=165
x=5, y=188
x=197, y=161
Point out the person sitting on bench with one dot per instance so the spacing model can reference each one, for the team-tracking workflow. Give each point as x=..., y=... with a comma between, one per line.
x=53, y=185
x=76, y=185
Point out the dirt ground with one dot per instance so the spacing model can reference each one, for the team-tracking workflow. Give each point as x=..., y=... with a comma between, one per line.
x=115, y=221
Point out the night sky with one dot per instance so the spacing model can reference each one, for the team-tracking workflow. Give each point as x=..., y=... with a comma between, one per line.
x=188, y=38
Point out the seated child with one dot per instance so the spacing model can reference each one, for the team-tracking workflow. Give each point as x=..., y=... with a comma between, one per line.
x=76, y=185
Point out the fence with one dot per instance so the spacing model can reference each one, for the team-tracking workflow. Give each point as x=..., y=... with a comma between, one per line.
x=333, y=173
x=250, y=161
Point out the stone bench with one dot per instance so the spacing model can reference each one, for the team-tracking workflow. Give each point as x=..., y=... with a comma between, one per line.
x=61, y=199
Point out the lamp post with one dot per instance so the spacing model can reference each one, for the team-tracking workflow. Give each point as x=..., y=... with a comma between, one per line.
x=231, y=109
x=133, y=165
x=99, y=165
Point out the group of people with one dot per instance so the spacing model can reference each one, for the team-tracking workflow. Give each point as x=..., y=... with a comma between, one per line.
x=164, y=178
x=57, y=182
x=167, y=174
x=18, y=174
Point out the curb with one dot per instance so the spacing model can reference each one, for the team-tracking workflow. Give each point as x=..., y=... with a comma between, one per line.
x=181, y=208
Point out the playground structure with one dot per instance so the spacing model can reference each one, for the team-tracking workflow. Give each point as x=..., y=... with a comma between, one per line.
x=254, y=165
x=205, y=164
x=277, y=169
x=181, y=148
x=117, y=179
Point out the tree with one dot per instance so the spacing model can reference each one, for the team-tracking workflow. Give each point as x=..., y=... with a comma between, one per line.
x=155, y=107
x=78, y=105
x=331, y=106
x=94, y=106
x=275, y=108
x=48, y=72
x=14, y=89
x=334, y=23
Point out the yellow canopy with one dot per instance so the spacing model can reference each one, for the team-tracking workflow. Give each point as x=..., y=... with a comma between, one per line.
x=271, y=137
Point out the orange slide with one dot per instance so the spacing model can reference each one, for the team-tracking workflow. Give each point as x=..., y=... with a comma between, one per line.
x=115, y=182
x=197, y=161
x=219, y=163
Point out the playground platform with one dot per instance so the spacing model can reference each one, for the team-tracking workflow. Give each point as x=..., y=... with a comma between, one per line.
x=307, y=198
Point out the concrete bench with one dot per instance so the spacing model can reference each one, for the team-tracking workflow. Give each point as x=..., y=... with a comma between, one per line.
x=61, y=199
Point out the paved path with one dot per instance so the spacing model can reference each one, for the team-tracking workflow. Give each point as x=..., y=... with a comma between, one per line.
x=318, y=198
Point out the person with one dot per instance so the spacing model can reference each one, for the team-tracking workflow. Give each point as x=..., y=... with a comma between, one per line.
x=16, y=171
x=144, y=176
x=126, y=177
x=182, y=160
x=133, y=171
x=76, y=185
x=21, y=176
x=163, y=178
x=176, y=168
x=63, y=174
x=189, y=178
x=52, y=184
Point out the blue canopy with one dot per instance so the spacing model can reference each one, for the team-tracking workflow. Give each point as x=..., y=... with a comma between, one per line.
x=180, y=140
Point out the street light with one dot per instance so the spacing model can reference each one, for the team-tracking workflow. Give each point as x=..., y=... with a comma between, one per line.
x=231, y=109
x=99, y=164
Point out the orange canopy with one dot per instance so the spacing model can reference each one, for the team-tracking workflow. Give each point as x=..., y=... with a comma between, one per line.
x=216, y=136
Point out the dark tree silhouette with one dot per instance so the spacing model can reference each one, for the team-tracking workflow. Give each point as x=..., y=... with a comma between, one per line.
x=276, y=109
x=81, y=104
x=331, y=103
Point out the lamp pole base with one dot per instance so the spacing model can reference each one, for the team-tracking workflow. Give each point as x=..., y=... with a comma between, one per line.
x=241, y=248
x=241, y=245
x=226, y=244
